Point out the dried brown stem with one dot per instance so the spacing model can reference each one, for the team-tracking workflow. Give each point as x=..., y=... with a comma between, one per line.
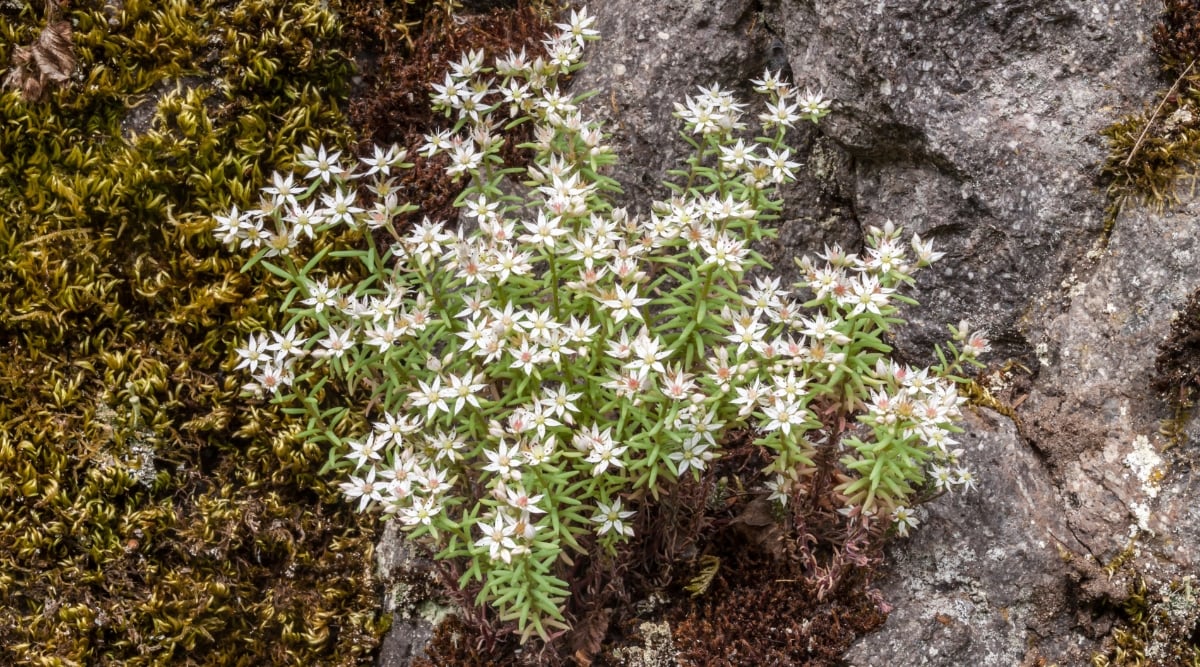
x=1153, y=116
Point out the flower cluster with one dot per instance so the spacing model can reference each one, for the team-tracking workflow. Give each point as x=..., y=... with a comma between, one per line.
x=513, y=386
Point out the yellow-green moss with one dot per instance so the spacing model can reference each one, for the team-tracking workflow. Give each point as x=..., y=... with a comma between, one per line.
x=1149, y=151
x=1157, y=629
x=148, y=514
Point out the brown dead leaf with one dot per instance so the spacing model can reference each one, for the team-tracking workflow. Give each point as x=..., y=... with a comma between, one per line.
x=53, y=51
x=50, y=58
x=588, y=635
x=756, y=514
x=757, y=525
x=20, y=78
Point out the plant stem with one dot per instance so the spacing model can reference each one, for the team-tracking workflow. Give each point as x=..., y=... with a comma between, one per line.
x=1153, y=116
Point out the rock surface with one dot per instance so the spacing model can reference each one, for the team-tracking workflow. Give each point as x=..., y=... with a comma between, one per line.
x=1093, y=411
x=974, y=123
x=988, y=573
x=652, y=55
x=410, y=595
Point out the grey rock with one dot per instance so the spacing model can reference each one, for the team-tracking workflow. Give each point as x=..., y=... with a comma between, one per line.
x=411, y=595
x=1093, y=411
x=654, y=54
x=987, y=574
x=1176, y=516
x=651, y=55
x=975, y=123
x=971, y=123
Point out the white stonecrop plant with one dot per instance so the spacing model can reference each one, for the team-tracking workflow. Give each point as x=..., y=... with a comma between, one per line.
x=514, y=388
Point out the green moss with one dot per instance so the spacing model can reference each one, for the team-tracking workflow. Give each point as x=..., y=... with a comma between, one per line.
x=148, y=514
x=1150, y=150
x=1159, y=628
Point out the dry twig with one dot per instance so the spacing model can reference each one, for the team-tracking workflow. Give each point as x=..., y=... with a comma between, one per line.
x=1149, y=123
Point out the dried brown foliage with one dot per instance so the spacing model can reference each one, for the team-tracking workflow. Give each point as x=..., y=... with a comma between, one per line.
x=455, y=643
x=1177, y=34
x=49, y=60
x=789, y=588
x=1177, y=366
x=398, y=67
x=587, y=638
x=763, y=612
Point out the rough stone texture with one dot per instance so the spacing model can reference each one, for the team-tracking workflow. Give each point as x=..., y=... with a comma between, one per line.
x=987, y=572
x=1177, y=514
x=654, y=54
x=1094, y=414
x=1093, y=411
x=410, y=596
x=975, y=123
x=651, y=55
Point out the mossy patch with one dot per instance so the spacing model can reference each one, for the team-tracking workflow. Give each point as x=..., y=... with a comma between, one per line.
x=148, y=513
x=1162, y=629
x=1150, y=150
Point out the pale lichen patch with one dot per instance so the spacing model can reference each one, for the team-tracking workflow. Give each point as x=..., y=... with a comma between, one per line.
x=1146, y=465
